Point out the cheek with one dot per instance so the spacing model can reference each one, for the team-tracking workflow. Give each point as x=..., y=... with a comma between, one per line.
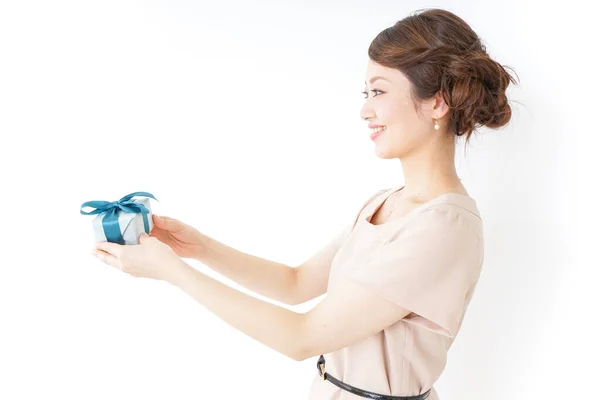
x=401, y=119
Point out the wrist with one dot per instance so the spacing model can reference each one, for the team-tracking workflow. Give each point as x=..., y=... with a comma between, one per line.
x=180, y=272
x=202, y=248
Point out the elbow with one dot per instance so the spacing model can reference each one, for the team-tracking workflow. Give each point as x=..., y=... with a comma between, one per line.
x=294, y=301
x=302, y=348
x=296, y=295
x=300, y=354
x=295, y=355
x=300, y=358
x=304, y=353
x=293, y=298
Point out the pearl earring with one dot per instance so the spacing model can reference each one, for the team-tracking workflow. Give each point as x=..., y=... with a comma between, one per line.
x=436, y=126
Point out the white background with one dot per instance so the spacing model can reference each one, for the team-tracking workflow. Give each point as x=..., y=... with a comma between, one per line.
x=242, y=118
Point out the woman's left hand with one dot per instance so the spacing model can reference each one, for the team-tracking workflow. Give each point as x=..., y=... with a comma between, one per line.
x=150, y=259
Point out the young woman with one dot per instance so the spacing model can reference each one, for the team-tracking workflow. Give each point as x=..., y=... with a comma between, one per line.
x=400, y=277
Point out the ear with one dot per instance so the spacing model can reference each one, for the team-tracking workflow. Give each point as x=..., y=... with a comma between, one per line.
x=439, y=106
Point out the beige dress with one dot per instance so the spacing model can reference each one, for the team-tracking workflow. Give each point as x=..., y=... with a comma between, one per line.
x=427, y=261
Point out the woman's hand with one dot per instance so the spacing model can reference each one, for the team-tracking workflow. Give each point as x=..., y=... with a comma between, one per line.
x=186, y=241
x=150, y=259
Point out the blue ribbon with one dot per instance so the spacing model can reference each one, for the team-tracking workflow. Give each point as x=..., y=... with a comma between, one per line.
x=110, y=222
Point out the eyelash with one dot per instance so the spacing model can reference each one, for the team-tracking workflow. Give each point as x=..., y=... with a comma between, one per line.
x=373, y=90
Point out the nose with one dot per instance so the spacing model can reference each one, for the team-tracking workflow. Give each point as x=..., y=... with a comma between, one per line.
x=365, y=113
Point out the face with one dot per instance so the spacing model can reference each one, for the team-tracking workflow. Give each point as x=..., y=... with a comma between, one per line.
x=388, y=103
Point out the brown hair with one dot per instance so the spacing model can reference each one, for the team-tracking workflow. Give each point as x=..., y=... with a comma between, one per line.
x=438, y=51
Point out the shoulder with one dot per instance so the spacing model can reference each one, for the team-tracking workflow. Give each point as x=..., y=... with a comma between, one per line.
x=447, y=212
x=378, y=194
x=440, y=235
x=373, y=197
x=447, y=222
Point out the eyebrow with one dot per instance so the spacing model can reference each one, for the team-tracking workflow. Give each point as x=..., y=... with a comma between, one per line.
x=373, y=79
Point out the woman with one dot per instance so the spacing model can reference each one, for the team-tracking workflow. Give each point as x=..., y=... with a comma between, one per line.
x=399, y=278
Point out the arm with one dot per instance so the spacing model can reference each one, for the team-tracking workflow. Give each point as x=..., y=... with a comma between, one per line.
x=273, y=326
x=277, y=281
x=342, y=318
x=288, y=285
x=313, y=274
x=268, y=278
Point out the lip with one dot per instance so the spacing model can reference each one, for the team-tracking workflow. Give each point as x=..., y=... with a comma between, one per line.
x=374, y=136
x=372, y=125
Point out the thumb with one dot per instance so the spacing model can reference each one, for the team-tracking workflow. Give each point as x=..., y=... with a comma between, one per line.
x=165, y=223
x=158, y=220
x=143, y=237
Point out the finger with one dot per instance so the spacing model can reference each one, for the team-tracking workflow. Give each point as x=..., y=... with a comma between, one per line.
x=143, y=237
x=112, y=248
x=108, y=258
x=158, y=220
x=167, y=223
x=155, y=233
x=159, y=233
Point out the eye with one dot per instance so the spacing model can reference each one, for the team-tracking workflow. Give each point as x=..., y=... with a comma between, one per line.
x=373, y=90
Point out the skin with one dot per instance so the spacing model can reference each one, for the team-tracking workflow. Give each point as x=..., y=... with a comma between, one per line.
x=427, y=158
x=426, y=154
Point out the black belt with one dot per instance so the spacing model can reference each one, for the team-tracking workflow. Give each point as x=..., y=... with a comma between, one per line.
x=360, y=392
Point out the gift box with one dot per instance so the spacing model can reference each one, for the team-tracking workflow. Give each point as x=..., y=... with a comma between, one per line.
x=121, y=221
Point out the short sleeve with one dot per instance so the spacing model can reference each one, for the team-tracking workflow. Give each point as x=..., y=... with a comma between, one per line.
x=429, y=267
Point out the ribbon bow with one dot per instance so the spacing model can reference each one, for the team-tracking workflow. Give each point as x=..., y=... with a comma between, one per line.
x=110, y=222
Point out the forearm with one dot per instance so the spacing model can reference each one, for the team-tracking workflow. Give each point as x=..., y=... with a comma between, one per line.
x=267, y=278
x=273, y=326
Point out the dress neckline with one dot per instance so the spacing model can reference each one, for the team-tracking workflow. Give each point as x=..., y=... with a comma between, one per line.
x=460, y=199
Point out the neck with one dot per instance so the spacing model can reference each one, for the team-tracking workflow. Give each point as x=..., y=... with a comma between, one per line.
x=430, y=170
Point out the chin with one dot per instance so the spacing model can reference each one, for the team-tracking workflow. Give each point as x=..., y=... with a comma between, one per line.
x=386, y=154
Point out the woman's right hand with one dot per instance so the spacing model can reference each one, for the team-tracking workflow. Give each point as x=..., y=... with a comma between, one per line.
x=186, y=241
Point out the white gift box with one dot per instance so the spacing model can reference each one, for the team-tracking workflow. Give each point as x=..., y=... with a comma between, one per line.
x=131, y=224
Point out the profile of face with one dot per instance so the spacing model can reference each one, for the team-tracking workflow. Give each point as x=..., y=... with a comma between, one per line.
x=388, y=102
